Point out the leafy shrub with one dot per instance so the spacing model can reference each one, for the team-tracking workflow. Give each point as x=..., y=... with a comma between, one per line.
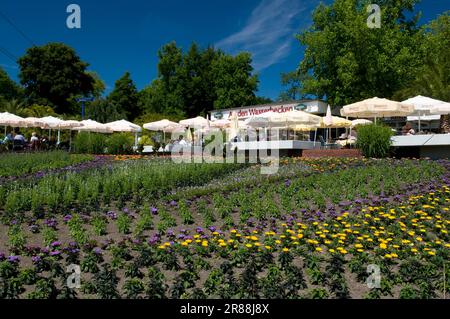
x=90, y=143
x=374, y=140
x=120, y=144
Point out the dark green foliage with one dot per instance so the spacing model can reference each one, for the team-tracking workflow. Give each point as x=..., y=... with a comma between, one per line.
x=53, y=74
x=374, y=140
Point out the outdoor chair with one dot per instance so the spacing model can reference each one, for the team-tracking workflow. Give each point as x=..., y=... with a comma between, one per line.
x=325, y=145
x=18, y=145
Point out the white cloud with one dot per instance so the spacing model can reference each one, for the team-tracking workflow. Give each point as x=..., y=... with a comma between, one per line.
x=269, y=31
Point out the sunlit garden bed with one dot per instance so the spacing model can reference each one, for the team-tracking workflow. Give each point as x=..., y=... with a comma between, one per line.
x=150, y=228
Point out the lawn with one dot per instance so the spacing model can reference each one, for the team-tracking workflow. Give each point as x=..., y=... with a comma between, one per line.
x=149, y=228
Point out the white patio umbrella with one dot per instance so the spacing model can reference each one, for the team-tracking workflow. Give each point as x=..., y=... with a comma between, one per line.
x=93, y=126
x=68, y=125
x=441, y=109
x=422, y=106
x=126, y=126
x=8, y=119
x=361, y=122
x=32, y=122
x=376, y=107
x=198, y=122
x=164, y=126
x=222, y=123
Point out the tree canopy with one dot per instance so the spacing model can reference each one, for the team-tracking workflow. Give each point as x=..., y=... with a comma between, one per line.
x=52, y=74
x=8, y=88
x=198, y=81
x=124, y=97
x=346, y=61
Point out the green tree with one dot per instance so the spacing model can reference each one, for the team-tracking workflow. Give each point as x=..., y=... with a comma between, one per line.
x=291, y=81
x=346, y=61
x=14, y=106
x=8, y=88
x=102, y=110
x=198, y=81
x=52, y=74
x=234, y=82
x=125, y=98
x=259, y=100
x=433, y=77
x=37, y=110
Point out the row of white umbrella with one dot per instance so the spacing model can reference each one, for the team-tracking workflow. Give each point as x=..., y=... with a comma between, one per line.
x=418, y=106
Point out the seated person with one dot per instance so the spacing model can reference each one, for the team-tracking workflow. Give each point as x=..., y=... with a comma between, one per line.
x=408, y=130
x=20, y=137
x=34, y=140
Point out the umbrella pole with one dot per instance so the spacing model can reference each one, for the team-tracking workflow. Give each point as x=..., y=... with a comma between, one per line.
x=70, y=140
x=315, y=137
x=419, y=121
x=59, y=136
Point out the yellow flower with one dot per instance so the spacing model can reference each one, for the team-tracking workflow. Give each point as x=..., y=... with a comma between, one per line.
x=184, y=243
x=383, y=246
x=222, y=244
x=204, y=243
x=414, y=250
x=161, y=247
x=268, y=247
x=343, y=251
x=248, y=245
x=318, y=249
x=285, y=249
x=389, y=256
x=432, y=253
x=233, y=231
x=254, y=238
x=419, y=239
x=331, y=250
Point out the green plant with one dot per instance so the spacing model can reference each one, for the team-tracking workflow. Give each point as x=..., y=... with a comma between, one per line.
x=49, y=235
x=120, y=143
x=133, y=288
x=17, y=239
x=123, y=223
x=90, y=143
x=374, y=140
x=99, y=224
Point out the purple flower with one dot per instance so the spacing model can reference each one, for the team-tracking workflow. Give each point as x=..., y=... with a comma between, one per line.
x=287, y=183
x=212, y=228
x=126, y=210
x=97, y=251
x=67, y=218
x=173, y=203
x=153, y=240
x=2, y=256
x=36, y=259
x=55, y=244
x=55, y=253
x=199, y=230
x=13, y=259
x=170, y=233
x=154, y=210
x=111, y=215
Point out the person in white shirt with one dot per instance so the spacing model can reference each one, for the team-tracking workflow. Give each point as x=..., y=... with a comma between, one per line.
x=34, y=138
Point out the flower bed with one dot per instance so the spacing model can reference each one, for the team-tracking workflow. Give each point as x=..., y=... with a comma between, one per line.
x=308, y=232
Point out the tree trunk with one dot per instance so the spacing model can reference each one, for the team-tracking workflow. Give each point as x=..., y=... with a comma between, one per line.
x=444, y=124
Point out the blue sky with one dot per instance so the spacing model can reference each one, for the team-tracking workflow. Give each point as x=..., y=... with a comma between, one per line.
x=125, y=35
